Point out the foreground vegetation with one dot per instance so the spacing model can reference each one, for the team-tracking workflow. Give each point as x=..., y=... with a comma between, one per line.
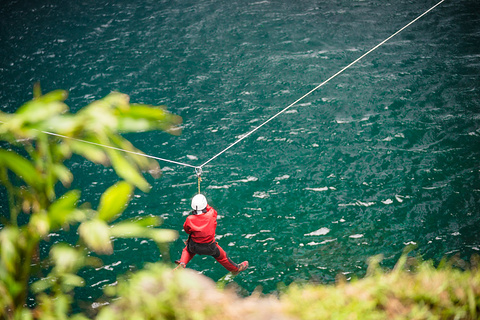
x=36, y=141
x=410, y=291
x=413, y=290
x=42, y=134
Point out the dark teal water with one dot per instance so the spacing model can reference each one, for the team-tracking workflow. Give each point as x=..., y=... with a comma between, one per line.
x=385, y=155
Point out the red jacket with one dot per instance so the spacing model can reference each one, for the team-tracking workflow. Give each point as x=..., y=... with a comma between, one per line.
x=201, y=227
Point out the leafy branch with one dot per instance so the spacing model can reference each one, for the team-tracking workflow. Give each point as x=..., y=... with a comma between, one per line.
x=41, y=136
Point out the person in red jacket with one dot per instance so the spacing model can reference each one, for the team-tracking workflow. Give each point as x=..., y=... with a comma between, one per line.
x=201, y=226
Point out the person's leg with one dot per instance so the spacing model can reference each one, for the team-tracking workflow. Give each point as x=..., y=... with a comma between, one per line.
x=186, y=256
x=222, y=257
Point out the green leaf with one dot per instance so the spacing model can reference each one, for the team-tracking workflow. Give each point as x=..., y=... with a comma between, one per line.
x=39, y=224
x=72, y=281
x=60, y=212
x=61, y=305
x=127, y=171
x=128, y=230
x=54, y=96
x=141, y=111
x=163, y=235
x=99, y=115
x=66, y=258
x=42, y=108
x=131, y=230
x=96, y=235
x=136, y=227
x=91, y=152
x=79, y=316
x=4, y=117
x=93, y=262
x=118, y=100
x=114, y=201
x=64, y=124
x=63, y=174
x=145, y=117
x=43, y=284
x=107, y=313
x=134, y=125
x=144, y=221
x=141, y=161
x=21, y=167
x=9, y=237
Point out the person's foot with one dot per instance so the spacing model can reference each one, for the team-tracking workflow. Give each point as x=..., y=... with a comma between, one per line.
x=242, y=266
x=180, y=264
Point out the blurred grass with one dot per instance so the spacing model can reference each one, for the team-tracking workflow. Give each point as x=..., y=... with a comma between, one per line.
x=420, y=291
x=413, y=290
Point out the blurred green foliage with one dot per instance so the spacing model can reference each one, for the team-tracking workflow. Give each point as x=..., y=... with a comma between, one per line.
x=414, y=289
x=39, y=137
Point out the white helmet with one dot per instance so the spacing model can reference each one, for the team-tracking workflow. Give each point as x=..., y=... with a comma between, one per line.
x=199, y=202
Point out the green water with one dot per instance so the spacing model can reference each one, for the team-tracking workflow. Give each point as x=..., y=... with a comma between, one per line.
x=385, y=155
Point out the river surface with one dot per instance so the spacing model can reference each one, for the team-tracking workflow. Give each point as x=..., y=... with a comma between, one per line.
x=385, y=155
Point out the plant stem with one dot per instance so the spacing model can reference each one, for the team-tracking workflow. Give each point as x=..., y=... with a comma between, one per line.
x=11, y=196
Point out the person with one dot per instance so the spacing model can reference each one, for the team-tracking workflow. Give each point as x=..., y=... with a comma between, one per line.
x=200, y=226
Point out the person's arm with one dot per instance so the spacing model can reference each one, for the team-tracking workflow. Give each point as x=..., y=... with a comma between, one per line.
x=214, y=213
x=186, y=227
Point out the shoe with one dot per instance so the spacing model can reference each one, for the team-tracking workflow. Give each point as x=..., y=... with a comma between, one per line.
x=241, y=267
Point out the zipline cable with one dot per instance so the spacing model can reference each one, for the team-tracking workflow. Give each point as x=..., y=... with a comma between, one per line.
x=115, y=148
x=320, y=85
x=120, y=149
